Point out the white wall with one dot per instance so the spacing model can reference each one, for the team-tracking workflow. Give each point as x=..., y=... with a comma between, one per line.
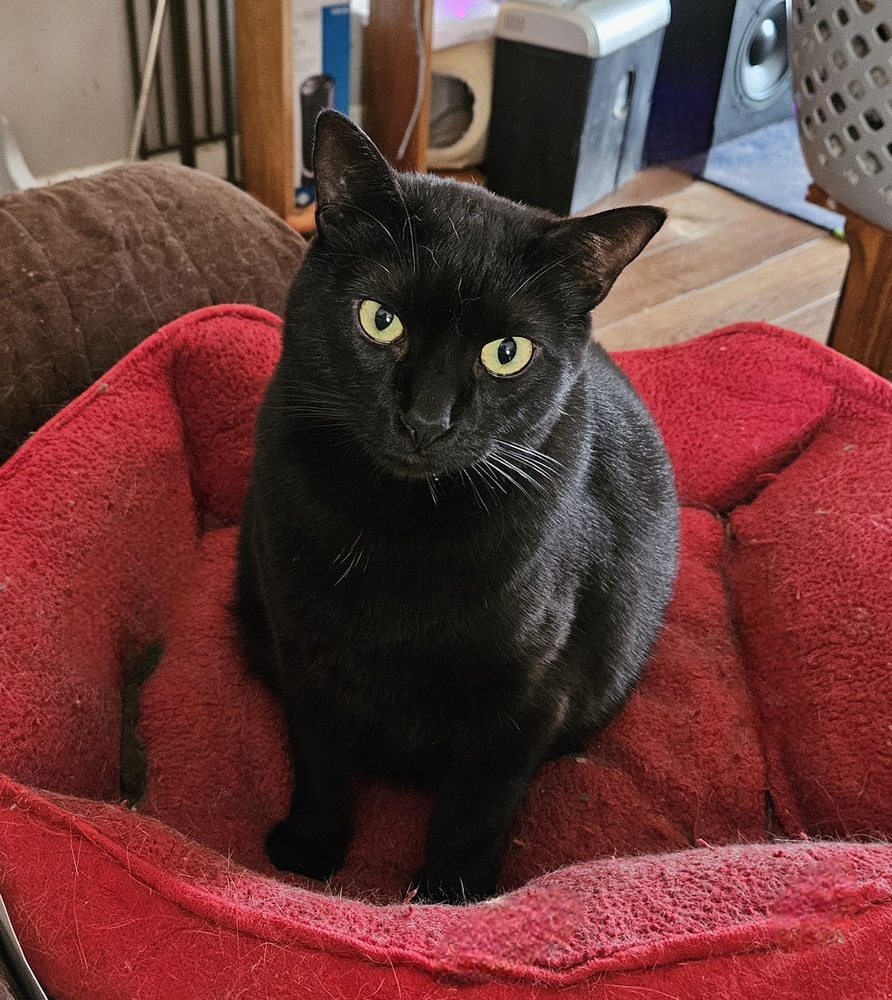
x=65, y=81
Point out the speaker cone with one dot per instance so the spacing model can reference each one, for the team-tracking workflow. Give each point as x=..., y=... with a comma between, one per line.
x=763, y=59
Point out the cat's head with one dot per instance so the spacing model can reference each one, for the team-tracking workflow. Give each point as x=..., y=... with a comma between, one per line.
x=432, y=322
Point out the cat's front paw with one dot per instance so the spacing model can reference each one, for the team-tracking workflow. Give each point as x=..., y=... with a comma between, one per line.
x=452, y=887
x=291, y=852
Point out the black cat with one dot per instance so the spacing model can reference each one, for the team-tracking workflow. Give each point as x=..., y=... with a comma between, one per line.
x=460, y=534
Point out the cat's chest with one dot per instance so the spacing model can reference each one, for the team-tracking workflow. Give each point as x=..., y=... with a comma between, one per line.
x=434, y=582
x=395, y=606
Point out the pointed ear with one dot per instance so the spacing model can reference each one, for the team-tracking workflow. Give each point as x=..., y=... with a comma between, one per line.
x=350, y=173
x=602, y=245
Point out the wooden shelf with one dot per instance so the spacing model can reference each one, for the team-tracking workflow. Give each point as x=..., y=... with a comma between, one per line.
x=303, y=220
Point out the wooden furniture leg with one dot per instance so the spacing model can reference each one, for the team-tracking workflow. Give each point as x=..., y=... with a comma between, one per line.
x=390, y=79
x=862, y=325
x=266, y=117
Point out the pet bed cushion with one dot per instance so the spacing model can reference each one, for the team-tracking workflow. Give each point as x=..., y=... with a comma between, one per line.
x=723, y=837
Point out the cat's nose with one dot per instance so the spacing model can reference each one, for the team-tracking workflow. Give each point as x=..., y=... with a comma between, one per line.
x=424, y=428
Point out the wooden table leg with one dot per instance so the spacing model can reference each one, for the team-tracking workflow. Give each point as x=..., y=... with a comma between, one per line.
x=390, y=67
x=862, y=325
x=263, y=38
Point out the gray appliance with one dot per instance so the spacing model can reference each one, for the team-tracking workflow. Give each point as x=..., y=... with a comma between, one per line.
x=571, y=98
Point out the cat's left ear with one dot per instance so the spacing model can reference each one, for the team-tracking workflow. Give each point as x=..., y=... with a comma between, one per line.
x=601, y=245
x=352, y=177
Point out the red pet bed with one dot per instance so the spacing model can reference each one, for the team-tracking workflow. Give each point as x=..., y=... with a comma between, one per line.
x=722, y=839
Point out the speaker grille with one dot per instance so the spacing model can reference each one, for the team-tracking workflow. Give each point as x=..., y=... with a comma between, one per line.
x=763, y=63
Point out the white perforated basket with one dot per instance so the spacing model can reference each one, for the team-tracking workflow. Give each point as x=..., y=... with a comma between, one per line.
x=842, y=77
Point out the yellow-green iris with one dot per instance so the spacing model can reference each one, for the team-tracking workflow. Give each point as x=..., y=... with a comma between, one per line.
x=508, y=356
x=379, y=323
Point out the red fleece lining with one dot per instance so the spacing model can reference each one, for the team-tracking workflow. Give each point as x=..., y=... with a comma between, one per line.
x=638, y=859
x=835, y=880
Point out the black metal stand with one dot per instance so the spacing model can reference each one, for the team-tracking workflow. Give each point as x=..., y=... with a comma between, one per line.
x=179, y=31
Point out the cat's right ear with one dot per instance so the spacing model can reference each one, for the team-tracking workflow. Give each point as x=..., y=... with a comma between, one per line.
x=352, y=177
x=595, y=248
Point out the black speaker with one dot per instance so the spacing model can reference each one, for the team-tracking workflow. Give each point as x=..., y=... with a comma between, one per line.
x=316, y=94
x=724, y=72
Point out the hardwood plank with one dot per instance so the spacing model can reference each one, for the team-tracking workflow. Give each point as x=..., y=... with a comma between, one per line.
x=662, y=190
x=813, y=320
x=266, y=118
x=773, y=288
x=643, y=188
x=709, y=236
x=697, y=209
x=303, y=219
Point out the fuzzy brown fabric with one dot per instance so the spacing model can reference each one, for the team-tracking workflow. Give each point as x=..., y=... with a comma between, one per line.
x=89, y=268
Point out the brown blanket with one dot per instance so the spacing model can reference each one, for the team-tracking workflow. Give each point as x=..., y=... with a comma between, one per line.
x=90, y=267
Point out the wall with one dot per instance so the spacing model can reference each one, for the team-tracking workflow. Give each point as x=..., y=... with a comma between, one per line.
x=65, y=81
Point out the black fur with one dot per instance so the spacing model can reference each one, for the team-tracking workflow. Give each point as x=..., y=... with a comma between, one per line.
x=419, y=610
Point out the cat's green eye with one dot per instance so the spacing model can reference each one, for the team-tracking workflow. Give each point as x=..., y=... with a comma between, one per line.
x=379, y=323
x=508, y=356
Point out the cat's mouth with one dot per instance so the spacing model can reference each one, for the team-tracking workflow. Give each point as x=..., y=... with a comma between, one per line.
x=415, y=465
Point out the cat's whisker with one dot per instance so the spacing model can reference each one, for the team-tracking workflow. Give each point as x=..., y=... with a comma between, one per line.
x=497, y=464
x=305, y=390
x=534, y=466
x=491, y=478
x=507, y=715
x=335, y=423
x=300, y=395
x=347, y=552
x=477, y=493
x=353, y=564
x=433, y=256
x=506, y=465
x=544, y=474
x=412, y=245
x=313, y=411
x=532, y=460
x=432, y=488
x=356, y=553
x=466, y=474
x=411, y=230
x=532, y=453
x=519, y=486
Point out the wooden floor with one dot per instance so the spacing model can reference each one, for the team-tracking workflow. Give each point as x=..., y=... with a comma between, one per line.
x=718, y=259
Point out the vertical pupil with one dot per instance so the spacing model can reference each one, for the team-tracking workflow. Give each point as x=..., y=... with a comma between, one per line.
x=507, y=350
x=383, y=318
